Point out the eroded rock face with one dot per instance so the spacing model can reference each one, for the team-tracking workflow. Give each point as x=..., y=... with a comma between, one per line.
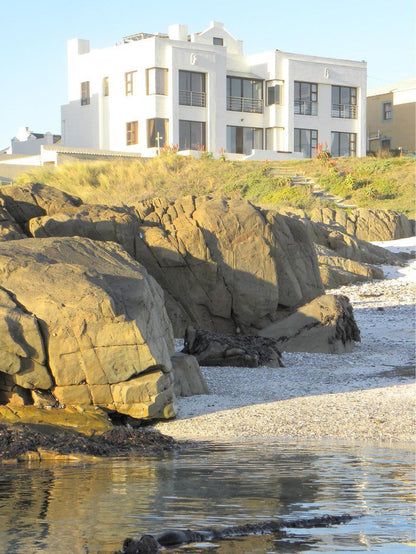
x=366, y=224
x=86, y=321
x=326, y=325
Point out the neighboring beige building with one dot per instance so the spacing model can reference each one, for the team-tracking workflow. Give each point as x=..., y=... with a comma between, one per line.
x=391, y=116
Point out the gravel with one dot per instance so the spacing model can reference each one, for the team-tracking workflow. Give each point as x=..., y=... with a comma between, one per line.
x=366, y=395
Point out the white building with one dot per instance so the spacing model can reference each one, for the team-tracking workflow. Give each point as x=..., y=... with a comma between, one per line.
x=28, y=143
x=200, y=91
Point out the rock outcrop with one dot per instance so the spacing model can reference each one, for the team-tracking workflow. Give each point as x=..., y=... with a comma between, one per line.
x=82, y=319
x=239, y=263
x=367, y=224
x=326, y=325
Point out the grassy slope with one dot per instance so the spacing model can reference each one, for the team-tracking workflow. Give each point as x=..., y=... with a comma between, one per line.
x=367, y=182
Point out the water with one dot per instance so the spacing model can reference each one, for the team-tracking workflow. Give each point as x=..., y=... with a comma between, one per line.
x=55, y=507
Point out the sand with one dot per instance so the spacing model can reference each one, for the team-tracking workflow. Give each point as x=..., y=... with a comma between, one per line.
x=367, y=395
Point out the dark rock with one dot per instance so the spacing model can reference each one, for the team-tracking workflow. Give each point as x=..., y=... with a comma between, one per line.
x=216, y=349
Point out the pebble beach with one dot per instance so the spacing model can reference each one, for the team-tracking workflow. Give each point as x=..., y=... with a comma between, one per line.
x=366, y=395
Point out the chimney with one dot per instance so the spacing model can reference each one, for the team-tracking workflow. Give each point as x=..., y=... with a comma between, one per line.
x=178, y=32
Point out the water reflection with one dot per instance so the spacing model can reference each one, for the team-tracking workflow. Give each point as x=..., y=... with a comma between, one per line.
x=92, y=508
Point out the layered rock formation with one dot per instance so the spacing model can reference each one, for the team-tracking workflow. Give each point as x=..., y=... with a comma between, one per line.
x=83, y=319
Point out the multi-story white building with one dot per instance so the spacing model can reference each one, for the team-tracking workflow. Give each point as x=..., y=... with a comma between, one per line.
x=200, y=91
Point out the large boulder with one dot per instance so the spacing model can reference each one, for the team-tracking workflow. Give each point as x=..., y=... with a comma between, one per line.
x=83, y=319
x=325, y=325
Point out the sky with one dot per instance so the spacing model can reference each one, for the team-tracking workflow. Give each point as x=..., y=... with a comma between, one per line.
x=33, y=36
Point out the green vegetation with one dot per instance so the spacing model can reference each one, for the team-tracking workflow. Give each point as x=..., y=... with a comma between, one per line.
x=366, y=182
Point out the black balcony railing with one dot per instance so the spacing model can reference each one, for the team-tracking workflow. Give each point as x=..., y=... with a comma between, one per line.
x=244, y=104
x=306, y=107
x=345, y=111
x=191, y=98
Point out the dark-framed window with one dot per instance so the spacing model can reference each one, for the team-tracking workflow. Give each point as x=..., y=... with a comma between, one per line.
x=306, y=98
x=242, y=140
x=244, y=95
x=344, y=102
x=343, y=144
x=218, y=41
x=306, y=141
x=132, y=132
x=192, y=88
x=85, y=93
x=157, y=132
x=157, y=80
x=106, y=86
x=192, y=135
x=129, y=79
x=273, y=93
x=387, y=111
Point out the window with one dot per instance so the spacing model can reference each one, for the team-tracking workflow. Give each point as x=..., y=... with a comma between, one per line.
x=192, y=89
x=306, y=98
x=244, y=95
x=387, y=111
x=157, y=132
x=306, y=141
x=191, y=135
x=129, y=80
x=343, y=144
x=344, y=102
x=132, y=135
x=157, y=80
x=273, y=93
x=85, y=93
x=242, y=140
x=106, y=87
x=218, y=41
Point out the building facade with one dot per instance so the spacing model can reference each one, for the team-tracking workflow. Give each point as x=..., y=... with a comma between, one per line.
x=391, y=117
x=200, y=92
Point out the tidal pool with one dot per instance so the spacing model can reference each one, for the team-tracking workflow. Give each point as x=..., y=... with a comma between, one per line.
x=70, y=508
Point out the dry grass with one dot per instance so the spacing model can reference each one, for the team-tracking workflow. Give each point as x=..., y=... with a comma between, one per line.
x=379, y=183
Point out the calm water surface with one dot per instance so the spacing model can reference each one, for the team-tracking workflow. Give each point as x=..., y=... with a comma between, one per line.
x=53, y=507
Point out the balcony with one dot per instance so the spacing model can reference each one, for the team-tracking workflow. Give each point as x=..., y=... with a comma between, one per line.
x=191, y=98
x=344, y=111
x=306, y=107
x=244, y=104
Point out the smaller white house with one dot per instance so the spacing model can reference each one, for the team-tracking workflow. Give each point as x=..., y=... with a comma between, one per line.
x=28, y=143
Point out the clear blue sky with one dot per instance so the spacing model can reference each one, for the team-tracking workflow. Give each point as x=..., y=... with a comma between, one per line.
x=33, y=35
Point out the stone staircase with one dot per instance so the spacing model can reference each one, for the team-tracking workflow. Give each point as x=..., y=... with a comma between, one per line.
x=299, y=178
